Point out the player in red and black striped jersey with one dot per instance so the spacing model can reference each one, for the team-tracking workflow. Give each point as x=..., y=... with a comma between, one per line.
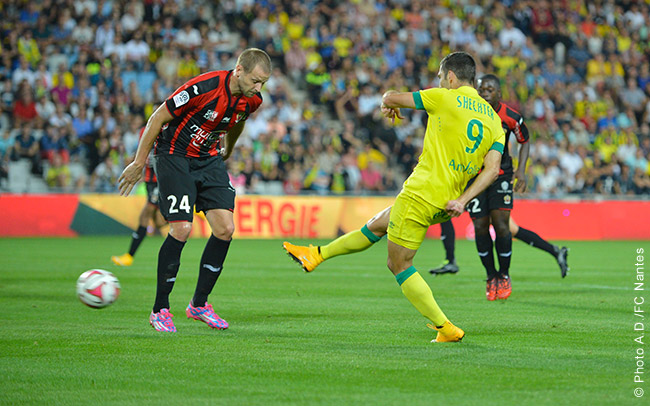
x=195, y=131
x=148, y=213
x=494, y=204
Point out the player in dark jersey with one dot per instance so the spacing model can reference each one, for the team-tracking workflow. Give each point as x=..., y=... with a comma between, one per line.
x=149, y=212
x=195, y=131
x=495, y=203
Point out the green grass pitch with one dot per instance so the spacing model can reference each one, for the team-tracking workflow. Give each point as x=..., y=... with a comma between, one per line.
x=341, y=335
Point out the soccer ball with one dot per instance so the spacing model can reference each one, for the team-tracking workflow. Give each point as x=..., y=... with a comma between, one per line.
x=97, y=288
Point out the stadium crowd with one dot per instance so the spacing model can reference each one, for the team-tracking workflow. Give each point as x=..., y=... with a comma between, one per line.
x=79, y=78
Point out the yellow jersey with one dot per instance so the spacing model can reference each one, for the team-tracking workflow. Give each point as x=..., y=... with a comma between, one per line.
x=461, y=129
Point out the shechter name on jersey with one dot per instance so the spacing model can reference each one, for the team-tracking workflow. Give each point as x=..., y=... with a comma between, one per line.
x=469, y=103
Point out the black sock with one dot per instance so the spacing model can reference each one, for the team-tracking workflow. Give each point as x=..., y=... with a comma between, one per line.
x=503, y=245
x=169, y=260
x=136, y=239
x=448, y=237
x=211, y=266
x=486, y=253
x=533, y=239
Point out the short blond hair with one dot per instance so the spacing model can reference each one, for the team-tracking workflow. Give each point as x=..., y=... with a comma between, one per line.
x=253, y=57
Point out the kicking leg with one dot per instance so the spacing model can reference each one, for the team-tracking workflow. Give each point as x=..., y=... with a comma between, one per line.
x=354, y=241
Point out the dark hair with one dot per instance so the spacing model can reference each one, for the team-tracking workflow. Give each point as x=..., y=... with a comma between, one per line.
x=252, y=57
x=462, y=64
x=491, y=78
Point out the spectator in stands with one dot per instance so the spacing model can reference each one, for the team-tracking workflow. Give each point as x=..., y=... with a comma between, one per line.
x=45, y=109
x=26, y=147
x=188, y=38
x=295, y=60
x=6, y=145
x=371, y=178
x=24, y=105
x=137, y=50
x=511, y=37
x=52, y=143
x=104, y=177
x=58, y=174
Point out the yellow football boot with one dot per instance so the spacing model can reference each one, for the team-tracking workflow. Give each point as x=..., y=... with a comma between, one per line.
x=123, y=260
x=307, y=257
x=447, y=333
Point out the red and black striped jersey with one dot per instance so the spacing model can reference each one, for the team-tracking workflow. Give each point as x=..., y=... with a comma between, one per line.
x=203, y=111
x=513, y=123
x=149, y=173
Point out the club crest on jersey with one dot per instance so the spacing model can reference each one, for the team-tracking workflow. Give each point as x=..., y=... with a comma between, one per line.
x=240, y=117
x=181, y=98
x=211, y=115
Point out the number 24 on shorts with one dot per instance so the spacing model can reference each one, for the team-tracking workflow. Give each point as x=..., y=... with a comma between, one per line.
x=184, y=204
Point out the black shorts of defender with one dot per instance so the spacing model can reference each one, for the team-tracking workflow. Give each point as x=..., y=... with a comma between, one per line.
x=497, y=196
x=152, y=193
x=187, y=182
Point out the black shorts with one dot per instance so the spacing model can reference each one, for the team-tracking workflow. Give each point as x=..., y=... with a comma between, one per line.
x=186, y=182
x=497, y=196
x=152, y=193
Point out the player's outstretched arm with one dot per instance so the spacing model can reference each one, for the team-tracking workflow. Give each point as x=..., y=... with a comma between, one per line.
x=392, y=101
x=488, y=175
x=133, y=172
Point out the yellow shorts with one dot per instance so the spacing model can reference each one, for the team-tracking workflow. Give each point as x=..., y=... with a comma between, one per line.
x=410, y=219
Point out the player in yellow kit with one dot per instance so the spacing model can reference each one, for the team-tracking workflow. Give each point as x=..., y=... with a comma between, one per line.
x=463, y=133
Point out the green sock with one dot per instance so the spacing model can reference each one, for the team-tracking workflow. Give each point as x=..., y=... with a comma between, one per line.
x=419, y=294
x=354, y=241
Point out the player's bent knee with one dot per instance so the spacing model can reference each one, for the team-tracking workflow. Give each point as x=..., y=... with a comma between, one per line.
x=501, y=229
x=224, y=232
x=378, y=228
x=397, y=266
x=482, y=226
x=180, y=230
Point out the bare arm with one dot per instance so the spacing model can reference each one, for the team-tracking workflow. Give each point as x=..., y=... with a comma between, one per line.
x=231, y=139
x=392, y=101
x=133, y=172
x=520, y=174
x=484, y=179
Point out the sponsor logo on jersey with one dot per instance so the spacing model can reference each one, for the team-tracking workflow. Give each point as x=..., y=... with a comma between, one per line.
x=181, y=98
x=211, y=115
x=201, y=137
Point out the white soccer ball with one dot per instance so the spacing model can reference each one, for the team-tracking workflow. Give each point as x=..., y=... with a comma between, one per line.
x=97, y=288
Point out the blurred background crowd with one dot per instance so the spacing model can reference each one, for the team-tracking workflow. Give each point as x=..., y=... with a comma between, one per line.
x=79, y=78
